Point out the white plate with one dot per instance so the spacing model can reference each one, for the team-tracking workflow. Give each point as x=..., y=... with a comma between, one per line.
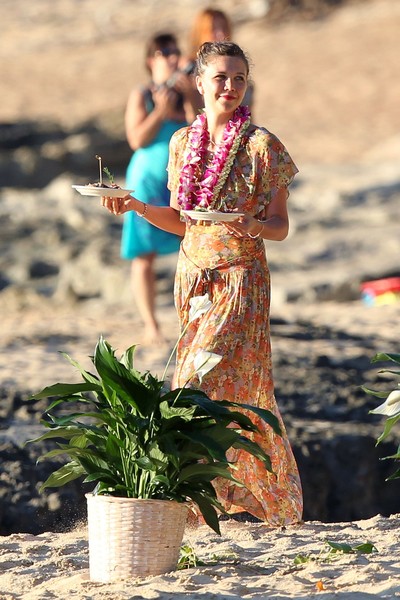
x=212, y=215
x=87, y=190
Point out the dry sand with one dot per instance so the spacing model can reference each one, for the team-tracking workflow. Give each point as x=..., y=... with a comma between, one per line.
x=247, y=561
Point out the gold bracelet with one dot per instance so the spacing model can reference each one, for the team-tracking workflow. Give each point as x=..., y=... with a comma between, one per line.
x=257, y=234
x=144, y=210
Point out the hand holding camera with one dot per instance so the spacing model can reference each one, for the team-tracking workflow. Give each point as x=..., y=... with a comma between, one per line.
x=165, y=101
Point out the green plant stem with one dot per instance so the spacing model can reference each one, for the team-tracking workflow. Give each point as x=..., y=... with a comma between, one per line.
x=172, y=354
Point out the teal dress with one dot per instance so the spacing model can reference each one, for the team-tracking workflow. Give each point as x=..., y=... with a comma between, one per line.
x=147, y=176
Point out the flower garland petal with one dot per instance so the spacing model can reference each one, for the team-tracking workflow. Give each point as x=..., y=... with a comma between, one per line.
x=197, y=189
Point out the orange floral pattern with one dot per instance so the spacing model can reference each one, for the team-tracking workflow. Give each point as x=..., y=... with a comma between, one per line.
x=234, y=271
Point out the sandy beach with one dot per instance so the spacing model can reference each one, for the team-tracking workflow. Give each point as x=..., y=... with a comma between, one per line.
x=247, y=561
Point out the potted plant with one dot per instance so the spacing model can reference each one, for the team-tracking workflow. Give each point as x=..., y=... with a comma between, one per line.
x=144, y=447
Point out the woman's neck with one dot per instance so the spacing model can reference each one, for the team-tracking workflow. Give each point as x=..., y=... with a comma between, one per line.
x=216, y=125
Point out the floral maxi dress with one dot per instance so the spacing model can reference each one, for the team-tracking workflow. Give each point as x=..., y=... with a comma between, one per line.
x=234, y=271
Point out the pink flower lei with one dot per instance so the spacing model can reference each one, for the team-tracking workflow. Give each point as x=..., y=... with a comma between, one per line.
x=197, y=190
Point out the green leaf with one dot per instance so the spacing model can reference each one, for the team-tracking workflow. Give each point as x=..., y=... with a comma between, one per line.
x=242, y=420
x=188, y=558
x=170, y=412
x=154, y=451
x=337, y=547
x=207, y=510
x=70, y=420
x=76, y=399
x=66, y=389
x=53, y=453
x=114, y=444
x=395, y=456
x=93, y=464
x=120, y=380
x=65, y=474
x=381, y=356
x=265, y=415
x=128, y=359
x=205, y=472
x=103, y=476
x=254, y=449
x=389, y=424
x=214, y=442
x=161, y=479
x=88, y=377
x=374, y=393
x=366, y=548
x=59, y=432
x=109, y=174
x=145, y=463
x=210, y=407
x=394, y=475
x=300, y=559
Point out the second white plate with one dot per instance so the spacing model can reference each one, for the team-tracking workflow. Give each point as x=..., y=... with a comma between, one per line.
x=88, y=190
x=212, y=215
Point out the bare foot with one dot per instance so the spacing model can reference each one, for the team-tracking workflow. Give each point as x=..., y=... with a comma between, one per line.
x=153, y=337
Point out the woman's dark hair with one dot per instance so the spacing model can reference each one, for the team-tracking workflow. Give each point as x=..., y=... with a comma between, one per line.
x=210, y=50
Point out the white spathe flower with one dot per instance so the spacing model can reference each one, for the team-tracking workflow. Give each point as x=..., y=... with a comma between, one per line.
x=198, y=306
x=391, y=406
x=205, y=361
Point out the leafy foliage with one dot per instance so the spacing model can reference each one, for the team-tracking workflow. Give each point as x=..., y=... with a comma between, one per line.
x=332, y=550
x=110, y=176
x=188, y=558
x=134, y=439
x=390, y=408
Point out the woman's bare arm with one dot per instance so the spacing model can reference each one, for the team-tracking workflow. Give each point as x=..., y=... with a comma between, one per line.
x=276, y=225
x=163, y=217
x=141, y=126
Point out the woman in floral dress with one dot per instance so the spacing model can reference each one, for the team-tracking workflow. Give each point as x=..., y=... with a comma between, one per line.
x=224, y=164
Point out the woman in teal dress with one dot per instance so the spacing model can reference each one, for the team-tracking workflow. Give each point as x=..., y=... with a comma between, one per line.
x=153, y=114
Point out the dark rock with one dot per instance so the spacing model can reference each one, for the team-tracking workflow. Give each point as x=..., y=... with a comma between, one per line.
x=22, y=507
x=342, y=475
x=4, y=282
x=41, y=268
x=34, y=153
x=28, y=133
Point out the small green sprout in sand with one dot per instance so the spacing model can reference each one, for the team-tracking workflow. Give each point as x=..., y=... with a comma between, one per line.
x=333, y=550
x=105, y=170
x=188, y=558
x=109, y=175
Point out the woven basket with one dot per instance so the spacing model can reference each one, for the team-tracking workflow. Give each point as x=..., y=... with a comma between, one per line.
x=133, y=538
